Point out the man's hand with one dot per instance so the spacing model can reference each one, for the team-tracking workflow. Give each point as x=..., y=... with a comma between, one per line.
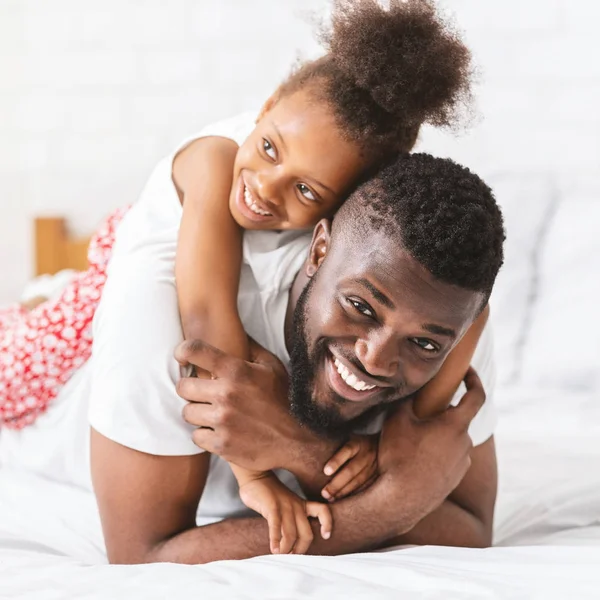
x=429, y=458
x=242, y=412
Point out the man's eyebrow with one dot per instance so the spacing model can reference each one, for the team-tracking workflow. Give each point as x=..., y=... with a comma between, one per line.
x=439, y=330
x=377, y=294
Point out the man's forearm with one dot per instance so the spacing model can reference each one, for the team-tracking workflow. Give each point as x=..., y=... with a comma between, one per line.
x=363, y=522
x=449, y=525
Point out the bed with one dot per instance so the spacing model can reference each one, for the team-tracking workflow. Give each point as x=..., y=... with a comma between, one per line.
x=547, y=529
x=55, y=248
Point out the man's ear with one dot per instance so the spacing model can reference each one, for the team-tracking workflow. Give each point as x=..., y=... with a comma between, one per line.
x=268, y=105
x=319, y=246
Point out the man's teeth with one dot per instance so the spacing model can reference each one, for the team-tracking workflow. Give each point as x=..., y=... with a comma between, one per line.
x=351, y=379
x=252, y=205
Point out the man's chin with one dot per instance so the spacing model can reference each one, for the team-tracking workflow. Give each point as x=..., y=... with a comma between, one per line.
x=325, y=422
x=328, y=418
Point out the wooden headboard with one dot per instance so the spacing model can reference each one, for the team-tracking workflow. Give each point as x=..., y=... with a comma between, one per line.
x=56, y=248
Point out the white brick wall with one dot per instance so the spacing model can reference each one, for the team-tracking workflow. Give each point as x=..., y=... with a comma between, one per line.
x=93, y=93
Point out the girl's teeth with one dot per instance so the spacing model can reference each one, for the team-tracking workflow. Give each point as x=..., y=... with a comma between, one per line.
x=350, y=379
x=252, y=205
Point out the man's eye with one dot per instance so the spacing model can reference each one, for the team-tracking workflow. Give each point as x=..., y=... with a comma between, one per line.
x=269, y=150
x=425, y=344
x=363, y=309
x=306, y=192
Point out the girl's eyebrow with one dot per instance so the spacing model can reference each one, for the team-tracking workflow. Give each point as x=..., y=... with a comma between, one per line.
x=281, y=140
x=310, y=179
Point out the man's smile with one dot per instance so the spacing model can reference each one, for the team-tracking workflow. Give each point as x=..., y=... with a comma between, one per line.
x=346, y=381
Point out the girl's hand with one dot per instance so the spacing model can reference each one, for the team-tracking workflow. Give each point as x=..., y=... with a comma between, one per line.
x=353, y=467
x=286, y=513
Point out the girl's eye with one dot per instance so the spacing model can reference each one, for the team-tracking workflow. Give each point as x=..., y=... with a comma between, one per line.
x=363, y=309
x=306, y=192
x=269, y=150
x=425, y=344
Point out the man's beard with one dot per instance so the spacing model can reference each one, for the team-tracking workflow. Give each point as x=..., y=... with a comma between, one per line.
x=323, y=420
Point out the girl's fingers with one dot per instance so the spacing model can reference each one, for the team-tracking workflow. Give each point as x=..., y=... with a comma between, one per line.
x=305, y=534
x=274, y=522
x=367, y=483
x=357, y=483
x=322, y=512
x=342, y=479
x=289, y=533
x=341, y=457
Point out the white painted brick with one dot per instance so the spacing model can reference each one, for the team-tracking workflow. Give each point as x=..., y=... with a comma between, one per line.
x=529, y=16
x=23, y=154
x=106, y=152
x=175, y=67
x=581, y=16
x=11, y=28
x=106, y=24
x=41, y=112
x=70, y=69
x=548, y=101
x=182, y=110
x=564, y=57
x=93, y=113
x=156, y=22
x=93, y=93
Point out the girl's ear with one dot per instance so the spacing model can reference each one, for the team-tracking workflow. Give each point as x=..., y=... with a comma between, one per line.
x=319, y=246
x=268, y=105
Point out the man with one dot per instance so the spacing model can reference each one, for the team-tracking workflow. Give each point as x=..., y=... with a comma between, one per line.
x=388, y=290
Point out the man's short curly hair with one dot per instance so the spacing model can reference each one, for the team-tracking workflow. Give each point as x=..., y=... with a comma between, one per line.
x=387, y=71
x=441, y=213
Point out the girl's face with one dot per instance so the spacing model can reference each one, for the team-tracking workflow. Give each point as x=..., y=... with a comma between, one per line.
x=295, y=168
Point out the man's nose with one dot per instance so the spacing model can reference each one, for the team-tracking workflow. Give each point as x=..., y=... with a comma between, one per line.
x=379, y=354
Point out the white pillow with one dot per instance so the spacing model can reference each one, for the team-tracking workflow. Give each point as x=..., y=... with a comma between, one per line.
x=48, y=286
x=526, y=202
x=563, y=345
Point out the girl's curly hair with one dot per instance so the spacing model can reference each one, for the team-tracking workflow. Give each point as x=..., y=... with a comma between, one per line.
x=388, y=71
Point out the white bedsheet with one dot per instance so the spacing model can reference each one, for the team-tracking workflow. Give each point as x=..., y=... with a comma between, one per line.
x=547, y=532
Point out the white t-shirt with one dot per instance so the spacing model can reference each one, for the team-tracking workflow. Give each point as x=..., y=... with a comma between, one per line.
x=132, y=374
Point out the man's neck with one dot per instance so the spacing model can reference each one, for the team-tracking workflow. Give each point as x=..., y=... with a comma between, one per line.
x=298, y=286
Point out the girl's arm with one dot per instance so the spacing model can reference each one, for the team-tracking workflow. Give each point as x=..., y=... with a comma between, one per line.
x=436, y=396
x=209, y=251
x=207, y=271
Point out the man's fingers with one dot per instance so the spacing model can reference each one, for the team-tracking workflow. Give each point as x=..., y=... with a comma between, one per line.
x=199, y=414
x=195, y=389
x=322, y=512
x=472, y=380
x=204, y=356
x=262, y=356
x=204, y=438
x=274, y=522
x=472, y=401
x=341, y=457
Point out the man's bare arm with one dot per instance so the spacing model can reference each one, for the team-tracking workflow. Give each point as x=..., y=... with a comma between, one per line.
x=148, y=510
x=148, y=506
x=466, y=517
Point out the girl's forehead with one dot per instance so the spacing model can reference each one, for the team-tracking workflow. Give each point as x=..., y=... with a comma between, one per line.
x=309, y=137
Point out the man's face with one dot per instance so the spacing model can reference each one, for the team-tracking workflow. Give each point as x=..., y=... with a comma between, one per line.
x=371, y=327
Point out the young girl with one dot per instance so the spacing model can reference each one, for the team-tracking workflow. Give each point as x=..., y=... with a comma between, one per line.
x=385, y=73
